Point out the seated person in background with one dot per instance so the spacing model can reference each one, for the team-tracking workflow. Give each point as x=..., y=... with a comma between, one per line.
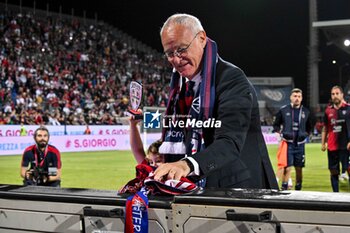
x=41, y=162
x=152, y=157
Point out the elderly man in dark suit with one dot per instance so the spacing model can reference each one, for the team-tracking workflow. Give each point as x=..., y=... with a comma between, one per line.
x=218, y=139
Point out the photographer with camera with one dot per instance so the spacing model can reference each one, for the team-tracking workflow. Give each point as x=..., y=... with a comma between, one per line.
x=41, y=162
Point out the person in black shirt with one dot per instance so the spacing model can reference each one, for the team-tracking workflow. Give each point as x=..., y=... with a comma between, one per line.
x=41, y=162
x=226, y=149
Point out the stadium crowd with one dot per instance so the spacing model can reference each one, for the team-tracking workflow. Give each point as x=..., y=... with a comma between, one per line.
x=57, y=71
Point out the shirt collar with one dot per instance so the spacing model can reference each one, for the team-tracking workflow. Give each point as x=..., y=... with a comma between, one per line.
x=197, y=80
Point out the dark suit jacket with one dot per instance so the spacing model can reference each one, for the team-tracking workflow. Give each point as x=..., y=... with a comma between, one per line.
x=236, y=155
x=284, y=118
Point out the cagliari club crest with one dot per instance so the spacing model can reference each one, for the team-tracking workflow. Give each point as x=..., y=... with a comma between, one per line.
x=135, y=99
x=135, y=95
x=196, y=103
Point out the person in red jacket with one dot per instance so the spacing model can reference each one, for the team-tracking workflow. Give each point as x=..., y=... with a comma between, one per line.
x=336, y=132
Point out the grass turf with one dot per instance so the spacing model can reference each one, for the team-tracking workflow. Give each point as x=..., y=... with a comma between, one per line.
x=110, y=170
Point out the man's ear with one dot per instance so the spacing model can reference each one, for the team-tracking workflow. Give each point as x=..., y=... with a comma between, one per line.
x=203, y=38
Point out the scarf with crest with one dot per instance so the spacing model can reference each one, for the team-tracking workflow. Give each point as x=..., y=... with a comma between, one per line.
x=136, y=206
x=187, y=141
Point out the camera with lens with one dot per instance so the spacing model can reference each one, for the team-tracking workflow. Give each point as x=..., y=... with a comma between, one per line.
x=39, y=175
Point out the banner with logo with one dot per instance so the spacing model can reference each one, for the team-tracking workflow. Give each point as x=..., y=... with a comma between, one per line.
x=271, y=138
x=74, y=143
x=153, y=119
x=58, y=130
x=102, y=138
x=266, y=129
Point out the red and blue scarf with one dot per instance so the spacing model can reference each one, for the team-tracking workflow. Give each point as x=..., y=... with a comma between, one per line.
x=136, y=213
x=136, y=208
x=175, y=139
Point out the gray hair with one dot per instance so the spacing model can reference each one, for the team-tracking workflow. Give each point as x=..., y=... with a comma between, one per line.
x=189, y=21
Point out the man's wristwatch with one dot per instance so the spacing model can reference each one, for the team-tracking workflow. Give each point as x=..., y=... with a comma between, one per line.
x=189, y=164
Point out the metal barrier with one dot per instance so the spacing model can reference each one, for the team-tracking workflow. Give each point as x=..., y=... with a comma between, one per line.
x=46, y=209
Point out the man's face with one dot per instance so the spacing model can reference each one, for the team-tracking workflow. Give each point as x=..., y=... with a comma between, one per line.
x=178, y=38
x=337, y=96
x=296, y=98
x=42, y=138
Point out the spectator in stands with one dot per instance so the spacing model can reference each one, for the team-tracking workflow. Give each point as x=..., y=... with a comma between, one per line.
x=38, y=120
x=293, y=122
x=41, y=162
x=232, y=155
x=2, y=120
x=87, y=130
x=53, y=120
x=152, y=156
x=78, y=66
x=336, y=132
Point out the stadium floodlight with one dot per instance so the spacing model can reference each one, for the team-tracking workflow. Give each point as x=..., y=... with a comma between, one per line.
x=347, y=42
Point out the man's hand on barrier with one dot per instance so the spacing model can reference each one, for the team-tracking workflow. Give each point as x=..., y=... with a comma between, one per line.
x=172, y=171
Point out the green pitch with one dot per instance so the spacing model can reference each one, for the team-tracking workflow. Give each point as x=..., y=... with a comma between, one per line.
x=315, y=173
x=97, y=170
x=112, y=169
